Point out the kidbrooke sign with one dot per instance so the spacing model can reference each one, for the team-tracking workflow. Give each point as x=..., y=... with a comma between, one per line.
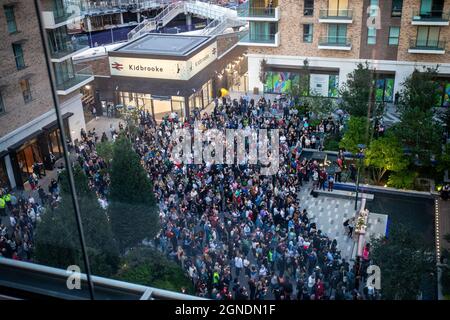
x=163, y=68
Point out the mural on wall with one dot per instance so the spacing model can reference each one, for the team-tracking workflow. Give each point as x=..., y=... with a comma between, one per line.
x=280, y=82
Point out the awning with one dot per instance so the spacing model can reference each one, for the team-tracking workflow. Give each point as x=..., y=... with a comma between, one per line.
x=20, y=143
x=54, y=124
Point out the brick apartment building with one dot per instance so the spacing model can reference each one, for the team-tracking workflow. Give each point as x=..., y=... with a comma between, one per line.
x=335, y=35
x=28, y=128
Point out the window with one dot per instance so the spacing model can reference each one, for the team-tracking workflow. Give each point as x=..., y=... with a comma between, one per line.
x=338, y=8
x=18, y=56
x=2, y=106
x=371, y=36
x=308, y=7
x=337, y=34
x=427, y=36
x=397, y=8
x=373, y=12
x=10, y=19
x=394, y=34
x=308, y=33
x=26, y=92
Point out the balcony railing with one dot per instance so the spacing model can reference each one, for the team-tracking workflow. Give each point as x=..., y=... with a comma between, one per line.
x=427, y=46
x=430, y=16
x=262, y=38
x=84, y=74
x=345, y=14
x=69, y=46
x=252, y=12
x=337, y=43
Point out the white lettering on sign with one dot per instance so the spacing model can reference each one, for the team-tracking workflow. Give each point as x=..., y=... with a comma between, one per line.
x=163, y=69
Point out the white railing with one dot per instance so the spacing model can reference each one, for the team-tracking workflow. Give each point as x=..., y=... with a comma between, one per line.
x=167, y=14
x=217, y=13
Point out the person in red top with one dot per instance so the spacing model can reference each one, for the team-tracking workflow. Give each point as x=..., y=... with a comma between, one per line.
x=320, y=290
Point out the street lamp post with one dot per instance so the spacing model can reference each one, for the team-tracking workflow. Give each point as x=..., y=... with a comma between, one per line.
x=360, y=156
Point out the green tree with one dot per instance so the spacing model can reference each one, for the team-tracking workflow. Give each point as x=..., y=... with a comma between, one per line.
x=358, y=93
x=105, y=150
x=404, y=262
x=385, y=154
x=444, y=159
x=129, y=181
x=420, y=132
x=133, y=211
x=357, y=132
x=133, y=222
x=420, y=90
x=149, y=267
x=57, y=238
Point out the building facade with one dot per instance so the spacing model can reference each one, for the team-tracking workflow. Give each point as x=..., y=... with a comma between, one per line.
x=394, y=36
x=28, y=127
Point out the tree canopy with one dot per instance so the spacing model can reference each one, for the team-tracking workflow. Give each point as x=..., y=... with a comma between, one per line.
x=132, y=209
x=358, y=93
x=57, y=239
x=404, y=263
x=357, y=132
x=385, y=154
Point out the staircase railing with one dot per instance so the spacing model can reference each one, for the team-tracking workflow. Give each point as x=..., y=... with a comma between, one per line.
x=150, y=24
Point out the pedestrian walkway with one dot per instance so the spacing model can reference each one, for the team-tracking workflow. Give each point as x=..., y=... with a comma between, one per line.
x=102, y=124
x=330, y=212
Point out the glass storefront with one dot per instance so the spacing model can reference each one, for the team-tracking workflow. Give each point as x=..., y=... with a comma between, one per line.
x=4, y=181
x=158, y=106
x=54, y=143
x=27, y=155
x=384, y=87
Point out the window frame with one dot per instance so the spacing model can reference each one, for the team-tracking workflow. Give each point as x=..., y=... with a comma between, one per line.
x=310, y=9
x=310, y=34
x=17, y=56
x=25, y=87
x=391, y=37
x=10, y=18
x=392, y=9
x=369, y=36
x=2, y=104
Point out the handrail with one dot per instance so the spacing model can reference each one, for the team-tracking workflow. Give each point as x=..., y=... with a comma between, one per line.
x=62, y=274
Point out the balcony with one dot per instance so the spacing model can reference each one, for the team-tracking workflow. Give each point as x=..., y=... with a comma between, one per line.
x=245, y=12
x=335, y=43
x=68, y=47
x=431, y=18
x=81, y=77
x=427, y=47
x=260, y=40
x=53, y=19
x=336, y=16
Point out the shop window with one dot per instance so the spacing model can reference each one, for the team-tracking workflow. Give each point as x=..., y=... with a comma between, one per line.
x=4, y=181
x=26, y=91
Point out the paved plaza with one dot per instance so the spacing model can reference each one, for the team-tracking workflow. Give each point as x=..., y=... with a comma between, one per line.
x=329, y=213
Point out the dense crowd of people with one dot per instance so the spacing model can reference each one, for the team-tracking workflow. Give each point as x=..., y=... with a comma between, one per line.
x=236, y=233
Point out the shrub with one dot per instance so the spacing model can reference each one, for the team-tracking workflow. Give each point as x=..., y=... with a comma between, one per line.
x=402, y=180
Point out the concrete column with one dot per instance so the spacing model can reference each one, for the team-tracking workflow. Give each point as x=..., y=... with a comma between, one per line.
x=138, y=17
x=189, y=21
x=10, y=172
x=89, y=24
x=121, y=18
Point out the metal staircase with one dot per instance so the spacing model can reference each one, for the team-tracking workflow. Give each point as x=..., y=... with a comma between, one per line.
x=223, y=18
